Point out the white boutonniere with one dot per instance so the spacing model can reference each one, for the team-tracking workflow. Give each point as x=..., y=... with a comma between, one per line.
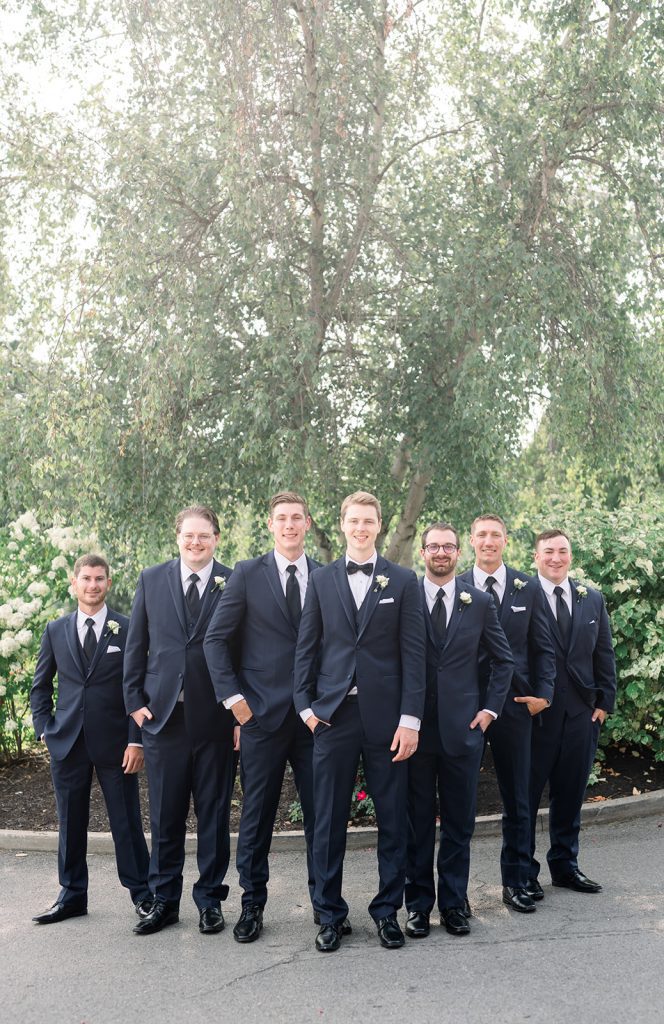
x=581, y=592
x=219, y=583
x=465, y=597
x=113, y=627
x=381, y=583
x=520, y=584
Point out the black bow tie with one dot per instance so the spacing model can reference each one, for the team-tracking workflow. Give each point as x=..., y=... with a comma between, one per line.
x=353, y=567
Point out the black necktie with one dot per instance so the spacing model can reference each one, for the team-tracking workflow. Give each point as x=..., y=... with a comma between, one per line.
x=353, y=567
x=90, y=642
x=439, y=616
x=193, y=599
x=563, y=616
x=490, y=584
x=293, y=599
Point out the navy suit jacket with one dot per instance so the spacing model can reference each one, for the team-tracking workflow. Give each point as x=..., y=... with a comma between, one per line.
x=380, y=648
x=454, y=690
x=589, y=661
x=89, y=698
x=161, y=657
x=253, y=612
x=525, y=623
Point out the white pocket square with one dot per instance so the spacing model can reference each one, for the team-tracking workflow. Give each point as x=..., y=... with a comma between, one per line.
x=114, y=650
x=518, y=608
x=386, y=600
x=592, y=622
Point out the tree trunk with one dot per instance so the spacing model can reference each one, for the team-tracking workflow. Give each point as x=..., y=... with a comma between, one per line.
x=400, y=548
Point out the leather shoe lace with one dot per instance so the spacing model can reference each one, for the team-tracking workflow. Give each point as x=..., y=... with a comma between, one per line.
x=211, y=921
x=161, y=916
x=518, y=899
x=249, y=924
x=60, y=912
x=389, y=932
x=328, y=938
x=417, y=925
x=455, y=921
x=534, y=889
x=577, y=880
x=144, y=906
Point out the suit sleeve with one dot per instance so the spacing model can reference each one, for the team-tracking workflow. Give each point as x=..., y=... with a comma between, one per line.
x=501, y=661
x=541, y=653
x=220, y=644
x=41, y=692
x=413, y=651
x=604, y=664
x=306, y=652
x=136, y=652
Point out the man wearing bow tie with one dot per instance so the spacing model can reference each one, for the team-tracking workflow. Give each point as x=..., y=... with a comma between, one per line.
x=522, y=615
x=359, y=686
x=90, y=730
x=260, y=610
x=563, y=749
x=187, y=736
x=460, y=622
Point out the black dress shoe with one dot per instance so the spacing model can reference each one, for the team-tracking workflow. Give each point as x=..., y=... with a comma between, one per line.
x=577, y=880
x=389, y=932
x=518, y=899
x=346, y=927
x=534, y=889
x=328, y=938
x=144, y=906
x=60, y=912
x=159, y=917
x=417, y=925
x=211, y=921
x=249, y=924
x=455, y=921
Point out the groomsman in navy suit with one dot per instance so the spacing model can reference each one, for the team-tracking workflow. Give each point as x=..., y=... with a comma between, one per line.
x=260, y=611
x=461, y=622
x=359, y=686
x=522, y=615
x=89, y=730
x=564, y=747
x=187, y=736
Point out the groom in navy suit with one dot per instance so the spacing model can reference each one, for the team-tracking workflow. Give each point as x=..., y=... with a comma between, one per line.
x=359, y=686
x=461, y=622
x=187, y=736
x=89, y=730
x=260, y=610
x=522, y=615
x=564, y=747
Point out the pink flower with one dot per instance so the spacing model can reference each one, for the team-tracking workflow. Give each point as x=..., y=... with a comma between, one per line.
x=361, y=795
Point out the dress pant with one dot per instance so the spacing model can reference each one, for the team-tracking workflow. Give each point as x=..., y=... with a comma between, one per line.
x=177, y=769
x=563, y=750
x=510, y=741
x=72, y=781
x=263, y=759
x=455, y=780
x=337, y=750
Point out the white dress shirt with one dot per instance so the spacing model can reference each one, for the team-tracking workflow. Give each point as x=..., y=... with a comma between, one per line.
x=548, y=586
x=500, y=576
x=99, y=618
x=203, y=577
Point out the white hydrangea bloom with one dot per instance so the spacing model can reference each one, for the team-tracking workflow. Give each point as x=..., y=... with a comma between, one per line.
x=16, y=531
x=11, y=725
x=28, y=521
x=34, y=570
x=16, y=620
x=59, y=562
x=3, y=689
x=5, y=611
x=8, y=646
x=12, y=546
x=38, y=589
x=50, y=574
x=24, y=637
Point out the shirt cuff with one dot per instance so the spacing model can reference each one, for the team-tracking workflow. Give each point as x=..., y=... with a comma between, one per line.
x=409, y=722
x=230, y=701
x=306, y=714
x=135, y=745
x=488, y=712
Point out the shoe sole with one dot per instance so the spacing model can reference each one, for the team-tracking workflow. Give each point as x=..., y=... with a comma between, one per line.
x=574, y=888
x=248, y=938
x=59, y=920
x=519, y=910
x=153, y=931
x=417, y=935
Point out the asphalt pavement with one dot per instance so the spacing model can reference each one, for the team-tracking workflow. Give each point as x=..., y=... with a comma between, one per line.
x=579, y=958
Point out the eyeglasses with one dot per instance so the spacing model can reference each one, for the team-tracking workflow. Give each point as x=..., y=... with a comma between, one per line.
x=433, y=549
x=202, y=538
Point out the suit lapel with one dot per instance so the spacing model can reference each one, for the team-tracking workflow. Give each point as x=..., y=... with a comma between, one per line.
x=272, y=575
x=72, y=642
x=373, y=596
x=458, y=610
x=576, y=615
x=507, y=596
x=100, y=649
x=345, y=595
x=211, y=595
x=553, y=624
x=427, y=615
x=175, y=586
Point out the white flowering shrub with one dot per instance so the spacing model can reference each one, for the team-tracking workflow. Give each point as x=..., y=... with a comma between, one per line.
x=35, y=568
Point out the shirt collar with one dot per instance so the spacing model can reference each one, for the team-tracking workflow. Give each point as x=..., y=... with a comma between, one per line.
x=432, y=589
x=548, y=586
x=372, y=560
x=203, y=574
x=299, y=563
x=99, y=617
x=480, y=576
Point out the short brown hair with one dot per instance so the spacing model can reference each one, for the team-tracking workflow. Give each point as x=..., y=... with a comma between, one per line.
x=550, y=534
x=492, y=517
x=203, y=512
x=92, y=562
x=440, y=526
x=287, y=498
x=360, y=498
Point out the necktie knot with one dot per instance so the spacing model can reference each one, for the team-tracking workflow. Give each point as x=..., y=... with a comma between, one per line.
x=558, y=591
x=490, y=582
x=353, y=567
x=89, y=622
x=291, y=569
x=194, y=578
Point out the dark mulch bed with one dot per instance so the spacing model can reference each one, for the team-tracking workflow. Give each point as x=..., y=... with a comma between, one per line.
x=27, y=802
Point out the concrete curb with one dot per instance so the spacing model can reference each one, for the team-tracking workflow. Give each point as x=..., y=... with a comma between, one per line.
x=624, y=808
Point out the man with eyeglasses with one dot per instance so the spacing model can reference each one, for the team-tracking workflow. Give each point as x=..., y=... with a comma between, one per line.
x=460, y=622
x=522, y=615
x=187, y=735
